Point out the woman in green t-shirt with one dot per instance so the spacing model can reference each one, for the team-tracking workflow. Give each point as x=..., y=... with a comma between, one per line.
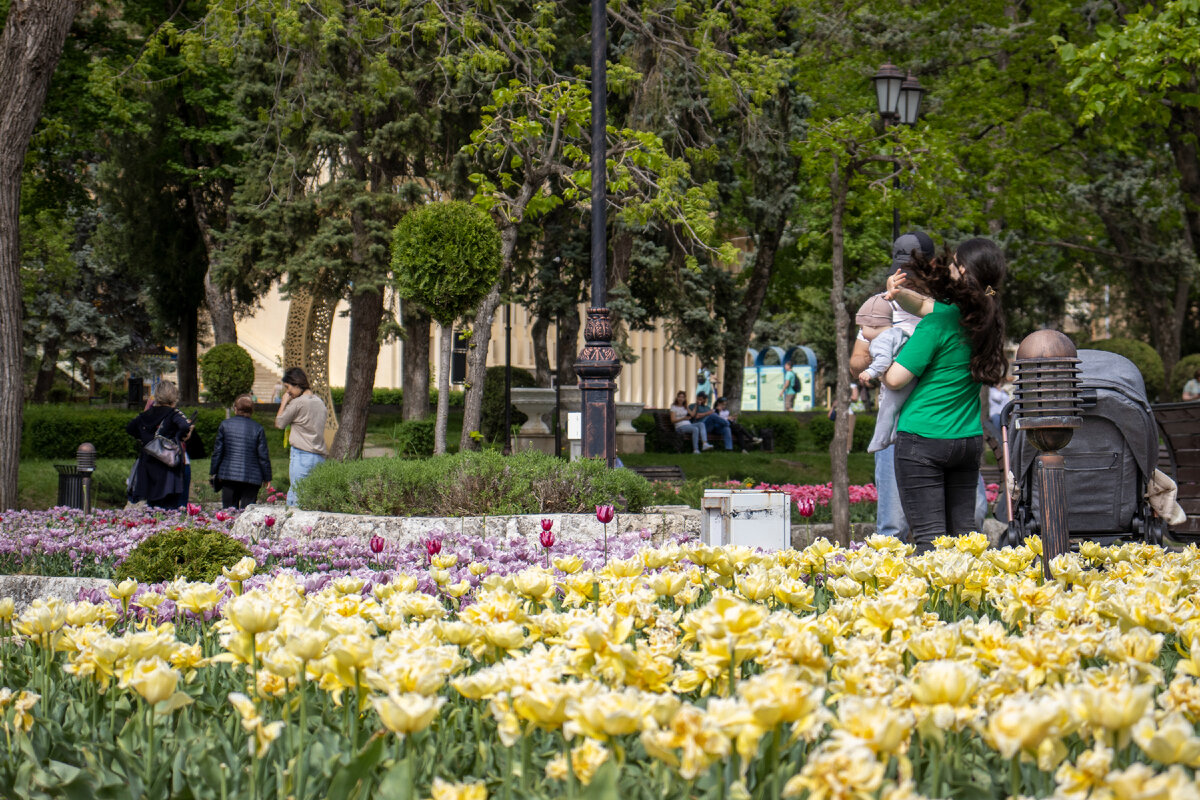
x=957, y=348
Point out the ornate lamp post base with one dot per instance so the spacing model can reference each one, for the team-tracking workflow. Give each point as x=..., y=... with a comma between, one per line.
x=597, y=368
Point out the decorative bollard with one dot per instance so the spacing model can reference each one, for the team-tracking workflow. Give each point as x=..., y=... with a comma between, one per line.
x=1046, y=408
x=85, y=462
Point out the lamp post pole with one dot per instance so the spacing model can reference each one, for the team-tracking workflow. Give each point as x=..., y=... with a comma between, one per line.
x=598, y=364
x=899, y=100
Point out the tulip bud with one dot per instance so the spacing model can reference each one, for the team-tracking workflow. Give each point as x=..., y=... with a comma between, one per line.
x=377, y=544
x=547, y=524
x=604, y=514
x=547, y=538
x=269, y=522
x=433, y=546
x=805, y=507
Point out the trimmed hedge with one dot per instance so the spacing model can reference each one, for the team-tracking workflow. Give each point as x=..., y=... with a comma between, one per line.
x=469, y=484
x=395, y=397
x=227, y=371
x=1185, y=368
x=414, y=437
x=786, y=429
x=197, y=554
x=56, y=431
x=821, y=428
x=1144, y=357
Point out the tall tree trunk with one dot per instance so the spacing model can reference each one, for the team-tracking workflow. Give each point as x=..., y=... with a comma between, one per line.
x=1181, y=134
x=47, y=369
x=477, y=351
x=219, y=301
x=840, y=501
x=441, y=421
x=416, y=362
x=481, y=329
x=366, y=313
x=541, y=351
x=30, y=45
x=752, y=300
x=566, y=346
x=185, y=364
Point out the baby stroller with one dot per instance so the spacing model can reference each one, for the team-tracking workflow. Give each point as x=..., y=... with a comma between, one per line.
x=1108, y=462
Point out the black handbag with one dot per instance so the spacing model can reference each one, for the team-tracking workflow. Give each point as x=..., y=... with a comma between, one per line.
x=163, y=449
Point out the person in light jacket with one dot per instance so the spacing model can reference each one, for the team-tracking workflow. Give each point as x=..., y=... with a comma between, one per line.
x=241, y=463
x=305, y=412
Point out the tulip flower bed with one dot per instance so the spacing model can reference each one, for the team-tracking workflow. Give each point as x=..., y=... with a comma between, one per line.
x=675, y=672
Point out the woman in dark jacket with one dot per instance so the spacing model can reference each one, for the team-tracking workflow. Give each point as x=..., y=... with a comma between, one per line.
x=240, y=461
x=153, y=481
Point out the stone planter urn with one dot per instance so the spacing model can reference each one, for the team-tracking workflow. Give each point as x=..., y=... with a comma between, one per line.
x=626, y=414
x=535, y=404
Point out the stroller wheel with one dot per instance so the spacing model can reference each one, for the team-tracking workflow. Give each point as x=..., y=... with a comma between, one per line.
x=1012, y=535
x=1156, y=530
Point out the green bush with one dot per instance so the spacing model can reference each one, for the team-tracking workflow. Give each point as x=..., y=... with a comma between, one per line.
x=227, y=371
x=1185, y=368
x=821, y=430
x=414, y=437
x=786, y=429
x=1144, y=357
x=471, y=483
x=197, y=554
x=491, y=420
x=395, y=397
x=56, y=431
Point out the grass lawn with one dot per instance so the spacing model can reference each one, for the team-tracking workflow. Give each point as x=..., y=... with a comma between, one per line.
x=778, y=468
x=37, y=481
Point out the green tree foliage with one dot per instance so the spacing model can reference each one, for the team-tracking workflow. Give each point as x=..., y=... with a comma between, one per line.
x=227, y=371
x=446, y=256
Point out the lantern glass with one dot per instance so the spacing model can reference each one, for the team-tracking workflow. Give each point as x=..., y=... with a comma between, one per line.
x=887, y=89
x=909, y=106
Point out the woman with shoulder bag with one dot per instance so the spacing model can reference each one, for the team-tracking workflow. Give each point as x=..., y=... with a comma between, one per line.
x=241, y=463
x=161, y=430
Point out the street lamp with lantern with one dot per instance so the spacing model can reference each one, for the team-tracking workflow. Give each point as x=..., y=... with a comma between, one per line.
x=899, y=100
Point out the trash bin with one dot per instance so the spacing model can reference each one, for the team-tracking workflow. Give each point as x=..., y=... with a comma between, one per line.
x=74, y=485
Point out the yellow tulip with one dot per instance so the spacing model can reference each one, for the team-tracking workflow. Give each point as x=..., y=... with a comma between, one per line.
x=154, y=680
x=198, y=598
x=476, y=568
x=353, y=650
x=405, y=583
x=123, y=590
x=241, y=571
x=306, y=644
x=253, y=613
x=534, y=583
x=1172, y=741
x=348, y=584
x=944, y=682
x=445, y=560
x=42, y=618
x=505, y=635
x=442, y=790
x=403, y=714
x=7, y=608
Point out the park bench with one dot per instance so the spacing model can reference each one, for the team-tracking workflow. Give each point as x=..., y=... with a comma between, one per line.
x=671, y=473
x=666, y=433
x=1179, y=424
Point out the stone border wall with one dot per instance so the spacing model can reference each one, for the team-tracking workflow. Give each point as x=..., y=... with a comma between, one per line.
x=663, y=522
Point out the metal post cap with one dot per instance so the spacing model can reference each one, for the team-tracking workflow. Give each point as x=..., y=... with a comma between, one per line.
x=1046, y=344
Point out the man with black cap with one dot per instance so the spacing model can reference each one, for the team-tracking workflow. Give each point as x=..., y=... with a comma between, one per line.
x=889, y=515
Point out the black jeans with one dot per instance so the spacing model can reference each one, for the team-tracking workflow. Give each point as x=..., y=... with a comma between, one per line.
x=937, y=480
x=235, y=494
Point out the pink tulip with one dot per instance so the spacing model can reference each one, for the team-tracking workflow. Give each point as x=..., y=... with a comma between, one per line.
x=547, y=538
x=433, y=546
x=547, y=524
x=269, y=522
x=604, y=514
x=805, y=507
x=377, y=544
x=193, y=509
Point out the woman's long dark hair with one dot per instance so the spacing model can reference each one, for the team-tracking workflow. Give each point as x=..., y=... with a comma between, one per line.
x=977, y=295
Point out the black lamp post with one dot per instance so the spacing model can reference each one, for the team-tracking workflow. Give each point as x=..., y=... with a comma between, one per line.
x=899, y=101
x=598, y=364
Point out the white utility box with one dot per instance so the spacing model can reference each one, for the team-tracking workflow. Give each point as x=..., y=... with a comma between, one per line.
x=574, y=435
x=746, y=517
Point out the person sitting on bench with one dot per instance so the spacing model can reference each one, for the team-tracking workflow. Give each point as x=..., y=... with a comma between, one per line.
x=713, y=422
x=683, y=421
x=742, y=437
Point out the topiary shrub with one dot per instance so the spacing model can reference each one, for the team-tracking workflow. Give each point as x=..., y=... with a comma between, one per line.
x=197, y=554
x=414, y=437
x=1144, y=357
x=491, y=421
x=470, y=484
x=1185, y=368
x=227, y=371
